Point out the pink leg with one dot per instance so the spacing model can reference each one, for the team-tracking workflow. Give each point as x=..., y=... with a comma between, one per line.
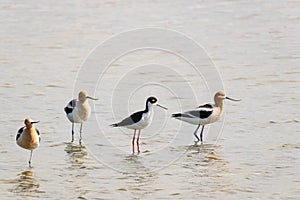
x=138, y=141
x=133, y=141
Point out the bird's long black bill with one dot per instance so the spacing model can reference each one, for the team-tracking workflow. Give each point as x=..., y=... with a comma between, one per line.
x=231, y=99
x=35, y=122
x=91, y=98
x=162, y=107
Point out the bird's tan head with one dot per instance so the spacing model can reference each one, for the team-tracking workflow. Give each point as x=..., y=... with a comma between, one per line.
x=29, y=122
x=83, y=95
x=221, y=95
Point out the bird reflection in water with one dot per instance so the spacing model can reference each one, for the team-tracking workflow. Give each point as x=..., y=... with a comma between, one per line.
x=76, y=151
x=202, y=149
x=206, y=163
x=76, y=155
x=138, y=177
x=27, y=185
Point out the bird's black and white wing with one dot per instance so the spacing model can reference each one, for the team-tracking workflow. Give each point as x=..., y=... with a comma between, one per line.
x=38, y=132
x=132, y=119
x=202, y=112
x=20, y=131
x=208, y=106
x=71, y=105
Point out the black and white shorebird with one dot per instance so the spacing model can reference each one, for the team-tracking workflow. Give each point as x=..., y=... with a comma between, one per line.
x=28, y=137
x=205, y=114
x=139, y=120
x=78, y=111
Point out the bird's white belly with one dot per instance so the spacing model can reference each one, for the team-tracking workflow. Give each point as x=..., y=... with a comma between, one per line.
x=190, y=120
x=80, y=114
x=76, y=118
x=143, y=123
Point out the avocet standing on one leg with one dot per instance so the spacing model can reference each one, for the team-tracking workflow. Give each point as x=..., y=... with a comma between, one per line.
x=28, y=137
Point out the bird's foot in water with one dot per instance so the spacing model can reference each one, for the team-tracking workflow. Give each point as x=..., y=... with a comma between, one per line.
x=80, y=142
x=196, y=142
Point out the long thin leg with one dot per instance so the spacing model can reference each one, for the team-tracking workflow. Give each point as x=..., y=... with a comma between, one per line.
x=29, y=162
x=72, y=132
x=133, y=141
x=201, y=134
x=80, y=137
x=138, y=141
x=195, y=133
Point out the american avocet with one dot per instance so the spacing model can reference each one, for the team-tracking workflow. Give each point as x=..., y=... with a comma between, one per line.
x=205, y=114
x=79, y=110
x=139, y=120
x=28, y=137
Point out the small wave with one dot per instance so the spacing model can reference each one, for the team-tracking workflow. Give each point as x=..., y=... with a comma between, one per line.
x=54, y=86
x=284, y=122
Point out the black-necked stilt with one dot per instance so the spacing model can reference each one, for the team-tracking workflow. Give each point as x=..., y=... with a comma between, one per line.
x=28, y=137
x=79, y=110
x=139, y=120
x=205, y=114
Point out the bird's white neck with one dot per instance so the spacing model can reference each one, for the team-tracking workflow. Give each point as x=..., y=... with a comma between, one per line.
x=148, y=107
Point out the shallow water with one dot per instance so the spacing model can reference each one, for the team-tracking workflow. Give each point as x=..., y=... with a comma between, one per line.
x=253, y=153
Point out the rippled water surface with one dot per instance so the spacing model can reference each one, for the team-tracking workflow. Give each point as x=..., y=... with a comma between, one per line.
x=255, y=46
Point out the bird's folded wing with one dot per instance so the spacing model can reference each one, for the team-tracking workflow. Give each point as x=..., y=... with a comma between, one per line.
x=201, y=113
x=134, y=118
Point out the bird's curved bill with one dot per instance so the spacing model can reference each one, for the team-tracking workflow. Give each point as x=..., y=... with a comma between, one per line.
x=91, y=98
x=35, y=122
x=231, y=99
x=162, y=107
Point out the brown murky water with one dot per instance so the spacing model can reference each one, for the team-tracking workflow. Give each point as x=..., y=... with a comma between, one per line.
x=254, y=44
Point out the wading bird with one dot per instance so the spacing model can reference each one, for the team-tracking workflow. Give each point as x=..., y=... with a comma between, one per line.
x=78, y=111
x=139, y=120
x=28, y=137
x=205, y=114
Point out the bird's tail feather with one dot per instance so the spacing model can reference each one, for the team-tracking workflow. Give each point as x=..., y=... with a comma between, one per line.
x=176, y=115
x=114, y=125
